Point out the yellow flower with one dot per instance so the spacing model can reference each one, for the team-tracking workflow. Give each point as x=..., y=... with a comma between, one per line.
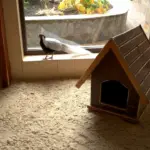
x=80, y=8
x=89, y=11
x=61, y=6
x=91, y=1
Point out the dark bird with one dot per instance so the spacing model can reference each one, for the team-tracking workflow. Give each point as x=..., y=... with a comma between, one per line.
x=51, y=45
x=44, y=45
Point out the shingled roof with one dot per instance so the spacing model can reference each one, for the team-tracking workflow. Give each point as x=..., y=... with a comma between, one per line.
x=132, y=49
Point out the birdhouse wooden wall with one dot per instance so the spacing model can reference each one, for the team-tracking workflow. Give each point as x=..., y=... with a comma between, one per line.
x=122, y=67
x=110, y=69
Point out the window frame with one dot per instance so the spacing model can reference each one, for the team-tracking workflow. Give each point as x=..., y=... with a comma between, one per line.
x=38, y=51
x=22, y=24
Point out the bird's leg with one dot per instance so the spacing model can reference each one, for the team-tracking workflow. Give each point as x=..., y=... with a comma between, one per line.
x=52, y=55
x=45, y=57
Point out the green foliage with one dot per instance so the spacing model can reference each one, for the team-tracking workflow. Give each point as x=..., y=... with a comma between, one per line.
x=86, y=6
x=31, y=2
x=26, y=3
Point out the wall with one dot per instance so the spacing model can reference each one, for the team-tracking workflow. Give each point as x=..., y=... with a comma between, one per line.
x=33, y=67
x=13, y=36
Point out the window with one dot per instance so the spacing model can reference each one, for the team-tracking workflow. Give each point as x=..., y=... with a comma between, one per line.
x=87, y=25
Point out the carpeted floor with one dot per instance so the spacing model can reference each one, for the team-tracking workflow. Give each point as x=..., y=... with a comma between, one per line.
x=52, y=115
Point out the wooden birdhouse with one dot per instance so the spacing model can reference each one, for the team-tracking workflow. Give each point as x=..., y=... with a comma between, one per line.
x=120, y=76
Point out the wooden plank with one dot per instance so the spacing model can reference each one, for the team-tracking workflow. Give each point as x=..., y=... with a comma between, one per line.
x=100, y=110
x=135, y=53
x=141, y=109
x=148, y=93
x=124, y=37
x=144, y=46
x=138, y=63
x=143, y=72
x=114, y=107
x=133, y=111
x=133, y=99
x=131, y=44
x=146, y=84
x=132, y=78
x=130, y=58
x=95, y=90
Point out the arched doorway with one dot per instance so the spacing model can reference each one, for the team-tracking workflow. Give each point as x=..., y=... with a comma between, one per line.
x=114, y=93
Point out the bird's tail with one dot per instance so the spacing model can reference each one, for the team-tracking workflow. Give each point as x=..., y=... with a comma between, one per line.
x=81, y=55
x=72, y=49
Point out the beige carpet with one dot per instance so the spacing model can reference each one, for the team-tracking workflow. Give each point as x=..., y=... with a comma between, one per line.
x=52, y=115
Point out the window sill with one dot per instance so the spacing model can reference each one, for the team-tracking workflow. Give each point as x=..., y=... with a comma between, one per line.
x=39, y=58
x=62, y=66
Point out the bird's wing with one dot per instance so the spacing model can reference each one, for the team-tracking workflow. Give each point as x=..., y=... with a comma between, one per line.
x=53, y=44
x=60, y=44
x=55, y=36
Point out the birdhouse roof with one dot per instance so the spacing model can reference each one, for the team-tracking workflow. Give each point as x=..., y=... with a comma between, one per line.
x=132, y=49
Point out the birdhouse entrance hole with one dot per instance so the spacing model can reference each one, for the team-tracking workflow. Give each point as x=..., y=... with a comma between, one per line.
x=114, y=93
